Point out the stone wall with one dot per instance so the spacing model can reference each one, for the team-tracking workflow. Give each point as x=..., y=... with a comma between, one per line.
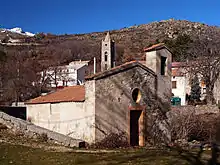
x=153, y=61
x=114, y=96
x=32, y=130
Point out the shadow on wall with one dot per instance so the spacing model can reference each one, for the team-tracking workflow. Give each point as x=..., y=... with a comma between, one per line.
x=114, y=96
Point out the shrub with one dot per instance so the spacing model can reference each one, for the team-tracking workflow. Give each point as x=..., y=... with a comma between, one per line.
x=113, y=140
x=189, y=126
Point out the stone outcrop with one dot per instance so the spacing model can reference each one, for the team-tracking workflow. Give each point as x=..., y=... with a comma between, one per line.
x=31, y=130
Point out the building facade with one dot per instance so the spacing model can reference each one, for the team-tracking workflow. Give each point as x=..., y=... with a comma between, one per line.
x=65, y=75
x=117, y=100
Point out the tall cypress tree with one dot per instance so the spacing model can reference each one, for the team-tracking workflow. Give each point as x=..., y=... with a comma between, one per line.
x=195, y=89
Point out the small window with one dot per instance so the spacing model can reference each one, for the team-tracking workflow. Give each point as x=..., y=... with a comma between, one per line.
x=106, y=53
x=106, y=66
x=163, y=65
x=204, y=90
x=136, y=95
x=173, y=84
x=106, y=45
x=106, y=57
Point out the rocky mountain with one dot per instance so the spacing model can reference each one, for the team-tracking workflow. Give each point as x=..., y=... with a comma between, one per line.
x=18, y=31
x=32, y=54
x=130, y=40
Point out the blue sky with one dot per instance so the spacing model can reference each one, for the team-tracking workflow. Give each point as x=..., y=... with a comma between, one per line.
x=82, y=16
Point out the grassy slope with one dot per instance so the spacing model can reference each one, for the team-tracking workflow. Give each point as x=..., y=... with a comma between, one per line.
x=21, y=155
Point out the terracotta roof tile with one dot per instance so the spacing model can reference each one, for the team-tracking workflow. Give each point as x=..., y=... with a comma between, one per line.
x=177, y=72
x=156, y=47
x=118, y=69
x=68, y=94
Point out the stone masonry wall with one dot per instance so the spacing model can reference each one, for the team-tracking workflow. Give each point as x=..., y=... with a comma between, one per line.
x=31, y=130
x=114, y=96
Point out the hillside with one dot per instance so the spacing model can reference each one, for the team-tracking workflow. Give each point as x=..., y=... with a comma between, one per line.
x=33, y=54
x=130, y=41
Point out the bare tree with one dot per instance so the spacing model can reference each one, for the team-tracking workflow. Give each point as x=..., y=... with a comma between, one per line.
x=205, y=61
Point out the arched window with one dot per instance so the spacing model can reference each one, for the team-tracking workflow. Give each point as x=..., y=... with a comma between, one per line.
x=136, y=95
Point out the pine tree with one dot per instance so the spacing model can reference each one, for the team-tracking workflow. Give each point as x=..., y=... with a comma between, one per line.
x=195, y=89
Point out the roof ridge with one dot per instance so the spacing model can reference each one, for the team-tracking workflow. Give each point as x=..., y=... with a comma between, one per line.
x=117, y=69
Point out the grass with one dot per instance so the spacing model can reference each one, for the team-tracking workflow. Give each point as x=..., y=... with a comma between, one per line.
x=21, y=155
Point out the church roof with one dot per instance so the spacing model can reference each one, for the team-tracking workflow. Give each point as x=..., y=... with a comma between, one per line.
x=67, y=94
x=117, y=69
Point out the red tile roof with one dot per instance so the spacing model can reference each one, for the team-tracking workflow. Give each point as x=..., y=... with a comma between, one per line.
x=156, y=47
x=118, y=69
x=177, y=72
x=68, y=94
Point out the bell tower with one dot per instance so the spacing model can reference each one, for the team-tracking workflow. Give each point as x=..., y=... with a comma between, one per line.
x=107, y=53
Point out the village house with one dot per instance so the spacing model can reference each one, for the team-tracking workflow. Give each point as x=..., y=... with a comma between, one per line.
x=180, y=86
x=181, y=83
x=65, y=75
x=115, y=100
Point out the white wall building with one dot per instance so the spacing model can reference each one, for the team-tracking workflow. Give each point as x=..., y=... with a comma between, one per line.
x=66, y=75
x=179, y=88
x=65, y=111
x=181, y=83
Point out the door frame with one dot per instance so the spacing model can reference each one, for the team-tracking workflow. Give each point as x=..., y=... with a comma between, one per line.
x=141, y=124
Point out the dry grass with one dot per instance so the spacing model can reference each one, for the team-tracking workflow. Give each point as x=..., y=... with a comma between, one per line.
x=22, y=155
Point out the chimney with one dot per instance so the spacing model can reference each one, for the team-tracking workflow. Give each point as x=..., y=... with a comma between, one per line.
x=94, y=65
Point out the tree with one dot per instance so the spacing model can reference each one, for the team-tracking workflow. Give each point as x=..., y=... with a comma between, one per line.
x=204, y=60
x=195, y=89
x=179, y=46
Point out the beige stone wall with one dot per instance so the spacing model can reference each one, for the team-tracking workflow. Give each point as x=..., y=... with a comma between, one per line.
x=114, y=96
x=68, y=118
x=164, y=90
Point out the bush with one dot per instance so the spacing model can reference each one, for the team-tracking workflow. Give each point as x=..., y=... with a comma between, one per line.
x=189, y=126
x=111, y=141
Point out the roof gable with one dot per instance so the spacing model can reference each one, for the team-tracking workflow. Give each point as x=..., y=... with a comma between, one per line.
x=118, y=69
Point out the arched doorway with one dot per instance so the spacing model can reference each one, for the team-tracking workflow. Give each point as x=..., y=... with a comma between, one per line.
x=136, y=120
